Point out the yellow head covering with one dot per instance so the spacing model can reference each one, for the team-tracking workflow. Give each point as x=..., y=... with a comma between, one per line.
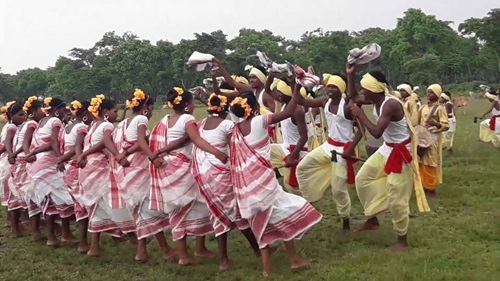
x=255, y=71
x=373, y=85
x=284, y=88
x=226, y=91
x=436, y=88
x=275, y=83
x=397, y=94
x=329, y=79
x=415, y=96
x=445, y=96
x=406, y=88
x=240, y=79
x=490, y=96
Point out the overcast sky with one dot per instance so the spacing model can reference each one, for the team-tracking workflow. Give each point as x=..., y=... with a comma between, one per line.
x=34, y=33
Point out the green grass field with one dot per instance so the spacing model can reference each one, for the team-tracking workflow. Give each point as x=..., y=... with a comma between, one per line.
x=458, y=240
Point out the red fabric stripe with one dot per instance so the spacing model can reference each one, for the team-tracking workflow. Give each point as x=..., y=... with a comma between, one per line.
x=351, y=175
x=399, y=156
x=493, y=122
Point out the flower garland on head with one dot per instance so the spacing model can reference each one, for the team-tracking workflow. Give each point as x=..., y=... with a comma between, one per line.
x=136, y=100
x=95, y=103
x=75, y=106
x=217, y=108
x=178, y=99
x=243, y=103
x=5, y=109
x=28, y=103
x=46, y=105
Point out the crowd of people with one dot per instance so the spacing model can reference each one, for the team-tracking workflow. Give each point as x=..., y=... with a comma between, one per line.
x=68, y=162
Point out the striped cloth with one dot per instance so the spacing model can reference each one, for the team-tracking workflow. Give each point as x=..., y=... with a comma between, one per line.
x=174, y=190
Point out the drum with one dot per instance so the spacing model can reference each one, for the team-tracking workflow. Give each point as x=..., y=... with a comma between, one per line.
x=372, y=145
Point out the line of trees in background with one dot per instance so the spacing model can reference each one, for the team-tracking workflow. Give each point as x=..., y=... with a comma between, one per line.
x=421, y=49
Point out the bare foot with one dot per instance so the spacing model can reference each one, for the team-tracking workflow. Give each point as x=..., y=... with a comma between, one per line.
x=171, y=253
x=141, y=258
x=82, y=249
x=370, y=224
x=430, y=193
x=58, y=230
x=16, y=233
x=184, y=261
x=53, y=243
x=69, y=239
x=205, y=253
x=272, y=250
x=401, y=244
x=266, y=273
x=224, y=265
x=37, y=237
x=299, y=263
x=93, y=253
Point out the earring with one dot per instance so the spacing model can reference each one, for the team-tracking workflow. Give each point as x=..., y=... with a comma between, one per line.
x=106, y=117
x=31, y=115
x=145, y=112
x=57, y=114
x=84, y=119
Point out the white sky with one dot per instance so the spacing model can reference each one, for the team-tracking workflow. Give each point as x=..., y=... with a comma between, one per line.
x=34, y=33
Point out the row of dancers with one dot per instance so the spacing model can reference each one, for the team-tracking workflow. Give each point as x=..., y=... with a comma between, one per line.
x=211, y=176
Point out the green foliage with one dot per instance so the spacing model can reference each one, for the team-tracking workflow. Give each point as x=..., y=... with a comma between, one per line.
x=421, y=50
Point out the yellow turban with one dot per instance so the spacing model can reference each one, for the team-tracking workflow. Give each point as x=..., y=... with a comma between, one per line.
x=275, y=83
x=240, y=79
x=436, y=89
x=445, y=96
x=415, y=96
x=490, y=96
x=397, y=94
x=373, y=85
x=284, y=88
x=255, y=71
x=406, y=88
x=335, y=80
x=226, y=91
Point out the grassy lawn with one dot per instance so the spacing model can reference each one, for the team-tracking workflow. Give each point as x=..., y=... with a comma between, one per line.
x=458, y=240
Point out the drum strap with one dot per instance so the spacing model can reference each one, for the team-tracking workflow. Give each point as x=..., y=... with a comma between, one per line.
x=433, y=111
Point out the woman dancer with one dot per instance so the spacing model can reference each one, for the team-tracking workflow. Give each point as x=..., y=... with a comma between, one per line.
x=272, y=213
x=50, y=192
x=173, y=188
x=14, y=114
x=96, y=179
x=22, y=142
x=73, y=136
x=214, y=178
x=130, y=138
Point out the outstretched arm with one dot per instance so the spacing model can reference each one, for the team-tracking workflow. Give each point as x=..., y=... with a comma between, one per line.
x=227, y=77
x=290, y=108
x=376, y=130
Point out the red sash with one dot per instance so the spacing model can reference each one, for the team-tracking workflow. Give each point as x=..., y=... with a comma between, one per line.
x=399, y=156
x=493, y=122
x=350, y=162
x=292, y=181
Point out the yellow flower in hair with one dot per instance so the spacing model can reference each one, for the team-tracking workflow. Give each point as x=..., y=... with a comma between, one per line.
x=101, y=97
x=5, y=109
x=95, y=103
x=178, y=100
x=28, y=103
x=47, y=101
x=243, y=103
x=179, y=91
x=139, y=94
x=171, y=105
x=220, y=107
x=75, y=106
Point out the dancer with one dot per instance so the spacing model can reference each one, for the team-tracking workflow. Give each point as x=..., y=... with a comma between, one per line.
x=173, y=188
x=490, y=128
x=385, y=180
x=433, y=117
x=214, y=178
x=14, y=114
x=294, y=132
x=316, y=172
x=22, y=143
x=449, y=135
x=96, y=178
x=49, y=190
x=130, y=138
x=273, y=214
x=410, y=103
x=73, y=138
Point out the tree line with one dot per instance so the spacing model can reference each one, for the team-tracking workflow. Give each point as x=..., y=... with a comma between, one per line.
x=421, y=49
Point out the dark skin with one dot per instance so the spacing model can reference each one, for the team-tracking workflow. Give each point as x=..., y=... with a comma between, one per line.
x=494, y=104
x=335, y=95
x=298, y=118
x=255, y=86
x=432, y=98
x=448, y=107
x=245, y=128
x=393, y=112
